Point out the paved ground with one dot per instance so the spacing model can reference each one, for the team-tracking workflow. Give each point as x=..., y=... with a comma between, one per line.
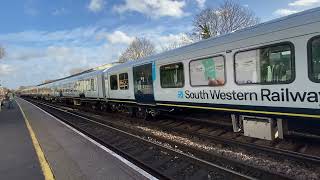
x=18, y=159
x=70, y=155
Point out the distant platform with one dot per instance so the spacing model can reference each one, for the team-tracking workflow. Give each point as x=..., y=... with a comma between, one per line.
x=68, y=153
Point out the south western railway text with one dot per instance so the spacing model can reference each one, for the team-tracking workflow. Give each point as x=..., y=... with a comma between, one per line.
x=284, y=95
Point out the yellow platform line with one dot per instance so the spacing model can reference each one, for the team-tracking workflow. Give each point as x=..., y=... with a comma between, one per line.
x=46, y=170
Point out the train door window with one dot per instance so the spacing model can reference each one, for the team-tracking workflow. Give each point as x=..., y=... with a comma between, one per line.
x=78, y=86
x=92, y=83
x=314, y=59
x=88, y=85
x=143, y=83
x=81, y=85
x=207, y=71
x=85, y=85
x=266, y=65
x=172, y=76
x=123, y=81
x=114, y=82
x=75, y=86
x=106, y=82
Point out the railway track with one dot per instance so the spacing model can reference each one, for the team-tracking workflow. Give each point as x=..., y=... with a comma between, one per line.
x=222, y=136
x=294, y=148
x=221, y=133
x=159, y=156
x=223, y=139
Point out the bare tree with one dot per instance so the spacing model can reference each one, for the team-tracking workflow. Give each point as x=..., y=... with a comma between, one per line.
x=139, y=48
x=183, y=40
x=2, y=52
x=206, y=24
x=228, y=17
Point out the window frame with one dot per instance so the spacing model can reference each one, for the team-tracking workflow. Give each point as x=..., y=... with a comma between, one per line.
x=206, y=57
x=309, y=55
x=127, y=79
x=184, y=79
x=293, y=66
x=111, y=82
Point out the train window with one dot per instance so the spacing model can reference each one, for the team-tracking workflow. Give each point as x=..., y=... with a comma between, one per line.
x=88, y=87
x=123, y=81
x=314, y=59
x=207, y=71
x=93, y=86
x=114, y=82
x=171, y=76
x=266, y=65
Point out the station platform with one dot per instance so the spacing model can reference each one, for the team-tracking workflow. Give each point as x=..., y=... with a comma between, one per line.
x=67, y=153
x=18, y=158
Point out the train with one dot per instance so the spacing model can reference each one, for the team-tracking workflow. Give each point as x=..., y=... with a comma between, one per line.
x=262, y=76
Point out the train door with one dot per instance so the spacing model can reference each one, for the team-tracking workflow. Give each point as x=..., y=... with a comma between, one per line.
x=106, y=85
x=143, y=84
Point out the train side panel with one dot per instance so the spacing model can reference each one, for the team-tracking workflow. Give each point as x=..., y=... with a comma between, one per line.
x=297, y=97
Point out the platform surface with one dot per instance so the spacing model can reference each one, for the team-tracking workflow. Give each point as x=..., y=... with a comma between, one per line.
x=70, y=155
x=18, y=158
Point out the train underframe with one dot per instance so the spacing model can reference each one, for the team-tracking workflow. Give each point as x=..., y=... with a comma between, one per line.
x=252, y=125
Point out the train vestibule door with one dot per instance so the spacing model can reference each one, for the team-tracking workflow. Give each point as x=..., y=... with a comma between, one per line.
x=143, y=84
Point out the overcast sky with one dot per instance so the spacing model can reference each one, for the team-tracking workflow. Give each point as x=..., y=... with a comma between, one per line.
x=48, y=39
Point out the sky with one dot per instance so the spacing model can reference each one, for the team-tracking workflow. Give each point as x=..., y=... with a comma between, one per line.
x=46, y=39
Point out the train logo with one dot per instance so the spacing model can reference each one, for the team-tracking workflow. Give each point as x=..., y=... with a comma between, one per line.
x=180, y=94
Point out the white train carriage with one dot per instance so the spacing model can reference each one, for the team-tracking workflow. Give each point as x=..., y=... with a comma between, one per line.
x=91, y=86
x=120, y=83
x=267, y=71
x=128, y=85
x=67, y=88
x=261, y=76
x=54, y=93
x=78, y=88
x=30, y=92
x=255, y=68
x=45, y=91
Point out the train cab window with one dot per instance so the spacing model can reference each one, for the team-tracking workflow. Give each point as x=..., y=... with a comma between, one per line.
x=172, y=76
x=123, y=81
x=314, y=59
x=266, y=65
x=207, y=71
x=114, y=82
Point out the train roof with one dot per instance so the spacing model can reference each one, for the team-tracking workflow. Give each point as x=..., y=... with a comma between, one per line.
x=287, y=22
x=83, y=74
x=74, y=75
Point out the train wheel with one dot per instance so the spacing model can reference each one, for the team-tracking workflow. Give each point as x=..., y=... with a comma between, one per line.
x=142, y=113
x=113, y=107
x=94, y=107
x=131, y=111
x=154, y=114
x=103, y=107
